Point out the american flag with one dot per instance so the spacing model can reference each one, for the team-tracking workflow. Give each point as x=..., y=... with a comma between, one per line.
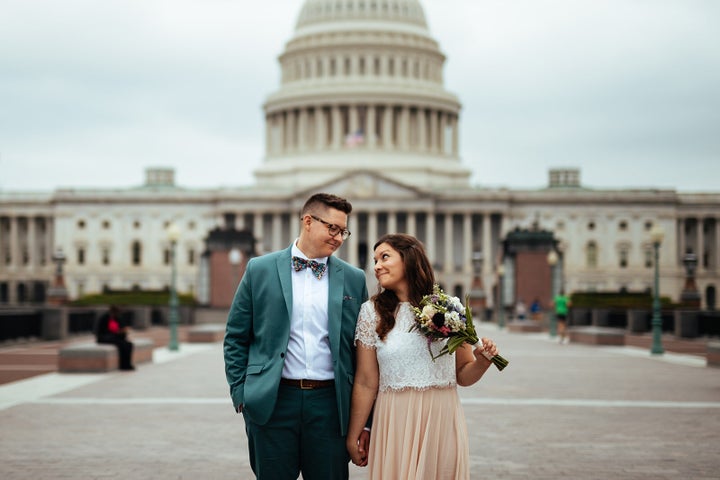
x=355, y=139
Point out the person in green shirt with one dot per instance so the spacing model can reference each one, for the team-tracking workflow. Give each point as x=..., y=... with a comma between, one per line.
x=561, y=303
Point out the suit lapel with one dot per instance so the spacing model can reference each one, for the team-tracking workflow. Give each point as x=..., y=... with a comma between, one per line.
x=335, y=303
x=283, y=269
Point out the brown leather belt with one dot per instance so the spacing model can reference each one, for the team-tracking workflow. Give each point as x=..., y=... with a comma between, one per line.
x=307, y=384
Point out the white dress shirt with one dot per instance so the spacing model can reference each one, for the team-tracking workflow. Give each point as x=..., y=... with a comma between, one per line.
x=308, y=353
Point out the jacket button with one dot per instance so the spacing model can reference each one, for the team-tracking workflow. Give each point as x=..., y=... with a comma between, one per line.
x=282, y=355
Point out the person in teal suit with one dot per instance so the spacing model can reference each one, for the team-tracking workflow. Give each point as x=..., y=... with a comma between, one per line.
x=290, y=352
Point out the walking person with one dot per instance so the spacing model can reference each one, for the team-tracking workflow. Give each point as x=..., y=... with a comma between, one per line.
x=418, y=428
x=289, y=349
x=561, y=304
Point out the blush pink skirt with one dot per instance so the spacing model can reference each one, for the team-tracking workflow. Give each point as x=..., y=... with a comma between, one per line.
x=419, y=435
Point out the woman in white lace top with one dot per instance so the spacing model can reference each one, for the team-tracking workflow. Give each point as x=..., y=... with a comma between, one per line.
x=418, y=425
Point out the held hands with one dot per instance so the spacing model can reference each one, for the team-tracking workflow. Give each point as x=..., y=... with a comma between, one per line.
x=358, y=449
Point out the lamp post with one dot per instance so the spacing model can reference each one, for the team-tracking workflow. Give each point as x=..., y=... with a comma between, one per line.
x=656, y=236
x=501, y=306
x=477, y=295
x=552, y=260
x=235, y=257
x=173, y=234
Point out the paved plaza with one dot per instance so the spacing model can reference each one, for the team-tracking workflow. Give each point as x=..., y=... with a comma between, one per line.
x=557, y=412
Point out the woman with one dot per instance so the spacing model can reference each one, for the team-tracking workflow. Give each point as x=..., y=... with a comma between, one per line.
x=418, y=427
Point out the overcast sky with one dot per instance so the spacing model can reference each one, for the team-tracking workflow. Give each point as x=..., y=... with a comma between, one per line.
x=93, y=92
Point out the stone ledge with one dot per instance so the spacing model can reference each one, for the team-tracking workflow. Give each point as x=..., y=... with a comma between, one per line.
x=91, y=357
x=524, y=326
x=713, y=354
x=597, y=335
x=206, y=333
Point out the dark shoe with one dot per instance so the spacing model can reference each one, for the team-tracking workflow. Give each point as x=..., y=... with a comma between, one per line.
x=127, y=368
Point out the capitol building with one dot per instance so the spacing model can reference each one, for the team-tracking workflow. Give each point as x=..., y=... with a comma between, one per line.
x=361, y=111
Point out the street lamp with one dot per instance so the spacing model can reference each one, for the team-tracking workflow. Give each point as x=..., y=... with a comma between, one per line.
x=173, y=234
x=552, y=260
x=501, y=307
x=656, y=236
x=235, y=257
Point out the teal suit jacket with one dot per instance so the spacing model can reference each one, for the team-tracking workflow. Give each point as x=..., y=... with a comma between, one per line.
x=258, y=331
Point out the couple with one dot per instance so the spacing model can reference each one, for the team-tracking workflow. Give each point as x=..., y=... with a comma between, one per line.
x=302, y=343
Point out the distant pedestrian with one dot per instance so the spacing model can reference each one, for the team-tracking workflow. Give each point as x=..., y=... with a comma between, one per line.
x=535, y=309
x=112, y=329
x=520, y=310
x=562, y=304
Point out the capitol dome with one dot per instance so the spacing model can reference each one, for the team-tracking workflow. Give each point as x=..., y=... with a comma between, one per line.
x=362, y=89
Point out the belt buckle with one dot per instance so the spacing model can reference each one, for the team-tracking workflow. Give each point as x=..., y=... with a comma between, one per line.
x=303, y=387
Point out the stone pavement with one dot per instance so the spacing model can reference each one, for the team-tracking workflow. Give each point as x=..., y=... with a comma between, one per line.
x=557, y=412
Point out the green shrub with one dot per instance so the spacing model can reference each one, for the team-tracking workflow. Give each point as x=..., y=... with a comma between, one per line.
x=125, y=298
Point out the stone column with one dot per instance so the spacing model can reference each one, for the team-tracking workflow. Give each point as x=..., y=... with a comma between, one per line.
x=370, y=120
x=32, y=242
x=468, y=244
x=700, y=241
x=434, y=143
x=353, y=119
x=276, y=231
x=681, y=241
x=441, y=133
x=404, y=130
x=422, y=130
x=392, y=222
x=488, y=253
x=320, y=129
x=352, y=248
x=258, y=232
x=372, y=238
x=14, y=243
x=447, y=248
x=431, y=236
x=387, y=134
x=336, y=127
x=302, y=129
x=412, y=224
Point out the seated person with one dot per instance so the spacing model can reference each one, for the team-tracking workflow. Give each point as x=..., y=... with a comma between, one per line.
x=113, y=330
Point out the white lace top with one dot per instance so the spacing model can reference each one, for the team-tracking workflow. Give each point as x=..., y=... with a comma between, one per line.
x=403, y=356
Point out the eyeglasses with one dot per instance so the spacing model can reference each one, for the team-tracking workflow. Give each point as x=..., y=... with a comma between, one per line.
x=333, y=229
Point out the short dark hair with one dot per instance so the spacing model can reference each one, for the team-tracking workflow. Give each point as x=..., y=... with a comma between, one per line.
x=326, y=200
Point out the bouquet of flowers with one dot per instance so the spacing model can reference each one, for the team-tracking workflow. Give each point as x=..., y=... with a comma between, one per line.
x=442, y=316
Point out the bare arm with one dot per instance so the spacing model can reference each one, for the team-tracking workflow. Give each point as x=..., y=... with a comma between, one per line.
x=365, y=388
x=471, y=364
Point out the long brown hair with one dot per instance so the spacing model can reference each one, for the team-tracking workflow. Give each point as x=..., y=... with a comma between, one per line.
x=418, y=272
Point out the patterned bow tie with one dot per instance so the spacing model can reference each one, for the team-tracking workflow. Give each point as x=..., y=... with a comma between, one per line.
x=317, y=268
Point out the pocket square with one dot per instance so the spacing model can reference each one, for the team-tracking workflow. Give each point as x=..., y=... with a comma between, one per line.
x=348, y=297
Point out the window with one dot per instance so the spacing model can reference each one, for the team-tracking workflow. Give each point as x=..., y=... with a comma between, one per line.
x=623, y=226
x=105, y=256
x=623, y=257
x=191, y=257
x=591, y=226
x=81, y=256
x=81, y=224
x=649, y=257
x=167, y=256
x=136, y=253
x=591, y=253
x=105, y=225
